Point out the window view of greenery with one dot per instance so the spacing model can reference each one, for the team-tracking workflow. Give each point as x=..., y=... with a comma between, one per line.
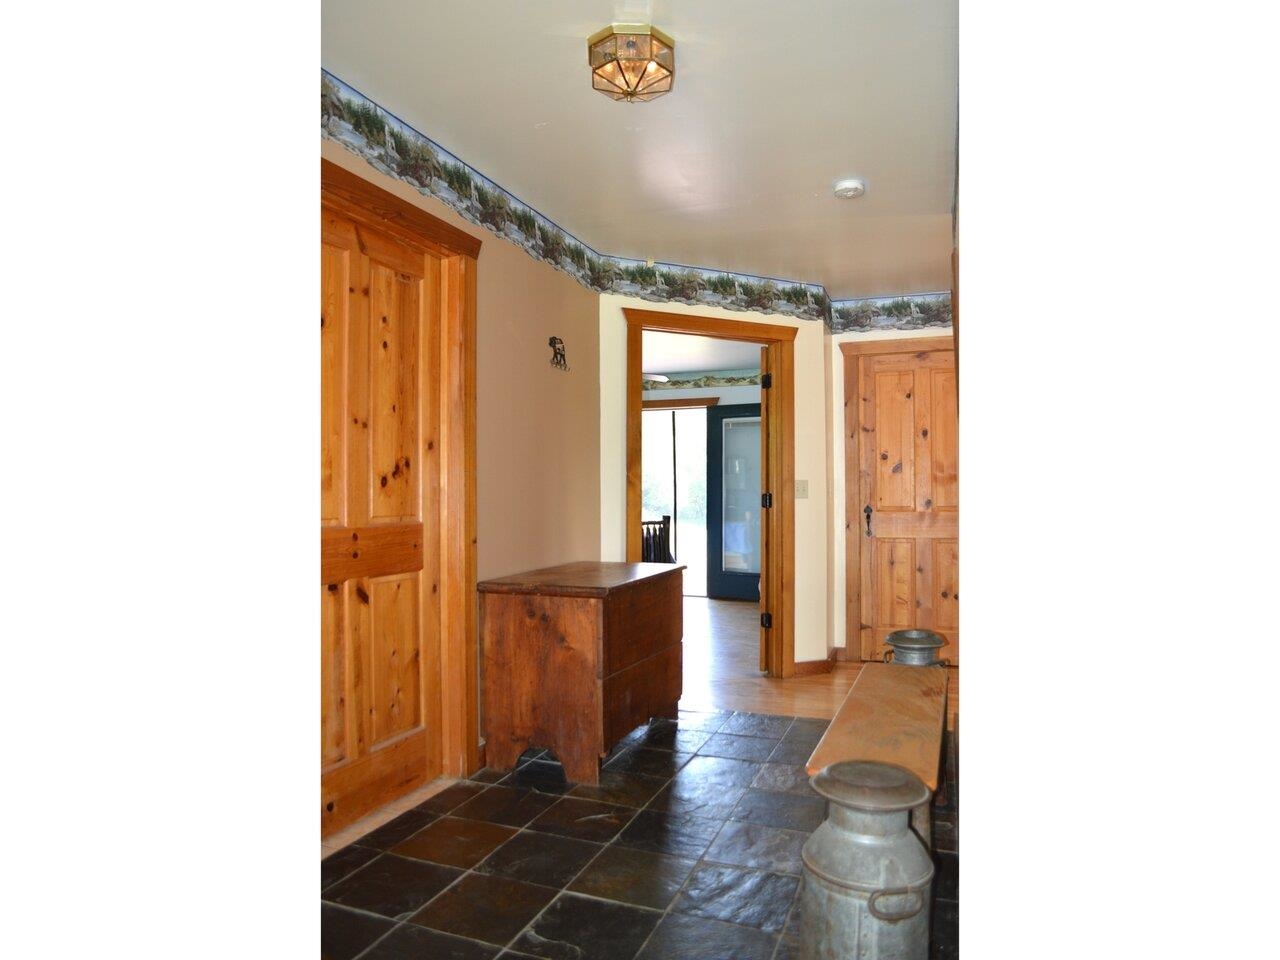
x=678, y=437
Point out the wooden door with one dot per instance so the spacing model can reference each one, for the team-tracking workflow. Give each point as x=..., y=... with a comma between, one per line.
x=379, y=519
x=905, y=515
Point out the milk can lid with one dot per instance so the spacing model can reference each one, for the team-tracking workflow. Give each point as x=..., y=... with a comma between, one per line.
x=915, y=639
x=871, y=785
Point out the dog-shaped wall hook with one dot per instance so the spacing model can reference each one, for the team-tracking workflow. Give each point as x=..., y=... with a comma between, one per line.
x=557, y=353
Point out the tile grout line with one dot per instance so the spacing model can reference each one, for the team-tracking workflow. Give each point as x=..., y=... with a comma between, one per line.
x=701, y=860
x=611, y=842
x=398, y=923
x=457, y=880
x=638, y=743
x=356, y=842
x=395, y=925
x=467, y=871
x=787, y=922
x=565, y=889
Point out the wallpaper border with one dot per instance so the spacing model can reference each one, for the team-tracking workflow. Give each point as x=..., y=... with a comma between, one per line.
x=393, y=147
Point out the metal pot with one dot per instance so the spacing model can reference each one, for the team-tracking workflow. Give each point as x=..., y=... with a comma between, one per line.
x=867, y=876
x=914, y=648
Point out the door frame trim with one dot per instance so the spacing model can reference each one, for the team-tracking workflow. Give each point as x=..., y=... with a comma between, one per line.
x=852, y=351
x=456, y=252
x=898, y=345
x=780, y=653
x=691, y=403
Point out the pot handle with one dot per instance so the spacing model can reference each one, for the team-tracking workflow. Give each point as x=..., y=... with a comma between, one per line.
x=895, y=892
x=886, y=656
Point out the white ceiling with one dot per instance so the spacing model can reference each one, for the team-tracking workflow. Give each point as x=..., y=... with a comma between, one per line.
x=685, y=353
x=733, y=169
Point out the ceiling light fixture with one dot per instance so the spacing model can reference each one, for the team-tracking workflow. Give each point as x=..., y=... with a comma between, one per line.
x=849, y=189
x=631, y=61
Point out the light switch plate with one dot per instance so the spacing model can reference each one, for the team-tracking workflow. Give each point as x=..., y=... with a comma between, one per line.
x=802, y=489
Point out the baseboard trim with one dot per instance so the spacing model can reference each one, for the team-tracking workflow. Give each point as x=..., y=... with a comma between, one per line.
x=809, y=668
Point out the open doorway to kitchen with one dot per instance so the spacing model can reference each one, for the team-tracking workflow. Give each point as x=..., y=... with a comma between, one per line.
x=687, y=381
x=773, y=346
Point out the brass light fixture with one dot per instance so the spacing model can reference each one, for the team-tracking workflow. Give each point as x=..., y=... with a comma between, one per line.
x=631, y=61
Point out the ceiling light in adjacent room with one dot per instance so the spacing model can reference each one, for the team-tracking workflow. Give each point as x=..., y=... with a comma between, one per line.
x=849, y=189
x=631, y=61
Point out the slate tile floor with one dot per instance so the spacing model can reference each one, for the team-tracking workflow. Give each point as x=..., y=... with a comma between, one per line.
x=688, y=848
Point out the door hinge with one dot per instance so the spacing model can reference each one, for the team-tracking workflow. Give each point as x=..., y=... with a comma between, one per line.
x=766, y=620
x=766, y=500
x=766, y=381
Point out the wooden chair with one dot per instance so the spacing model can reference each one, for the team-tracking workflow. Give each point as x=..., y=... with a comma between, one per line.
x=655, y=541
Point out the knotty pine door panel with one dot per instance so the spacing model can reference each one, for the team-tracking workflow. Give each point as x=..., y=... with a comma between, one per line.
x=908, y=476
x=379, y=526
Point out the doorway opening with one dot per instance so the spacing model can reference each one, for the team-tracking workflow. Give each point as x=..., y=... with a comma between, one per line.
x=771, y=523
x=697, y=392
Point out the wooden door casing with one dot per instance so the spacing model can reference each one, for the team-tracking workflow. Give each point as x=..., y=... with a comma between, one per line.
x=766, y=369
x=901, y=453
x=778, y=417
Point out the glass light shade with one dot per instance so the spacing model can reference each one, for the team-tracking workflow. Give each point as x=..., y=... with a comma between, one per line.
x=631, y=62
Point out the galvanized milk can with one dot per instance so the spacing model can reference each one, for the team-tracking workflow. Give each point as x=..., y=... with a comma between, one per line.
x=914, y=648
x=867, y=876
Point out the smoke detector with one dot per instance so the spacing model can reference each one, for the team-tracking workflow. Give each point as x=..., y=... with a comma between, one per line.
x=849, y=189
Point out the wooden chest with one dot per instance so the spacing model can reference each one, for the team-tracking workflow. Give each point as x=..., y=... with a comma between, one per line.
x=576, y=657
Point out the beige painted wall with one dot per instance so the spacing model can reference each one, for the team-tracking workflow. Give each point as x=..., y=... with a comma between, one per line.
x=837, y=480
x=537, y=428
x=812, y=605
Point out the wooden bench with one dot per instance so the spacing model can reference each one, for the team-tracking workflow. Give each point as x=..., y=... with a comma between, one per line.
x=893, y=714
